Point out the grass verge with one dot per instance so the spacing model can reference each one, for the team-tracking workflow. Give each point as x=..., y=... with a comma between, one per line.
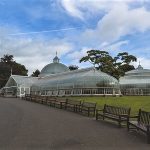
x=135, y=102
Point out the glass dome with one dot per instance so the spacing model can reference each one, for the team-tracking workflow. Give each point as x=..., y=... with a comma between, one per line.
x=84, y=81
x=136, y=82
x=53, y=68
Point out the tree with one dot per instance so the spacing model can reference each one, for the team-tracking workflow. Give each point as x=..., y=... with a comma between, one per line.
x=5, y=71
x=18, y=69
x=114, y=66
x=8, y=66
x=7, y=58
x=35, y=73
x=95, y=57
x=73, y=67
x=122, y=62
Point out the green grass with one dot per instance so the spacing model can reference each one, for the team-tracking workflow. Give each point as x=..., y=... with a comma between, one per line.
x=135, y=102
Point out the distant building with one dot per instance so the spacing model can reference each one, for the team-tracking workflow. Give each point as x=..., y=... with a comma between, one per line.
x=136, y=82
x=56, y=79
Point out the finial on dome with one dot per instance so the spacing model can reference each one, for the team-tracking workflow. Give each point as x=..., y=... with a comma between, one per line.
x=139, y=66
x=56, y=59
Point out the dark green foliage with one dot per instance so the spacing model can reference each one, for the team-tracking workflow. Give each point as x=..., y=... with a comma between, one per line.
x=114, y=66
x=35, y=73
x=7, y=58
x=4, y=74
x=73, y=67
x=8, y=66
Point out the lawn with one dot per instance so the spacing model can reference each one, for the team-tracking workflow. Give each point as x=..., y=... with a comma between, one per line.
x=135, y=102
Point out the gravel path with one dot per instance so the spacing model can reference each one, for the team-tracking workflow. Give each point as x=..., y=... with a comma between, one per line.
x=25, y=126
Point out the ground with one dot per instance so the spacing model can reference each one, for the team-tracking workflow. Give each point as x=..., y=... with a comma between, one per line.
x=30, y=126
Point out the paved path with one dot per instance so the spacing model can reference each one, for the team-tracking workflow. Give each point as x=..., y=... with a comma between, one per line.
x=25, y=126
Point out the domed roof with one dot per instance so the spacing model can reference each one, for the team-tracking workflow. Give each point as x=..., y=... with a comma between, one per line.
x=136, y=76
x=138, y=71
x=53, y=68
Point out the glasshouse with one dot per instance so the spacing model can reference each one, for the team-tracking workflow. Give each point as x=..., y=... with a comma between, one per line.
x=18, y=85
x=87, y=81
x=136, y=82
x=57, y=80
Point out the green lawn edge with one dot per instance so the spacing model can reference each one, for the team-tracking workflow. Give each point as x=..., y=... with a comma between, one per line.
x=134, y=102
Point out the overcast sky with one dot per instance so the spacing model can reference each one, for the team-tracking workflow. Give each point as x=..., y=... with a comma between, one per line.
x=33, y=30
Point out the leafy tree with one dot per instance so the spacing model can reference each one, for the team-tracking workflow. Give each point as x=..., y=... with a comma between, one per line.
x=73, y=67
x=35, y=73
x=6, y=65
x=7, y=58
x=122, y=62
x=5, y=71
x=97, y=58
x=114, y=66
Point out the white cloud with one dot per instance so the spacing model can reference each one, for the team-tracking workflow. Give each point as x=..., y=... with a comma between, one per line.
x=71, y=8
x=119, y=22
x=119, y=19
x=122, y=21
x=75, y=56
x=84, y=8
x=33, y=53
x=78, y=54
x=114, y=47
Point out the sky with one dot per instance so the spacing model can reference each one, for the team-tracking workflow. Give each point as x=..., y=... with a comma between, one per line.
x=33, y=30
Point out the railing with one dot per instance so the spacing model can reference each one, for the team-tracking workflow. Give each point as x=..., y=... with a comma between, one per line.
x=79, y=91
